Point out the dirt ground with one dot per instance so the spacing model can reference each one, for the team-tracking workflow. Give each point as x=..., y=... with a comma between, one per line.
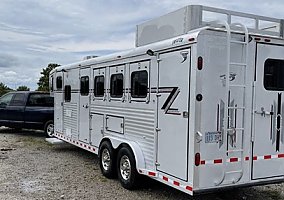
x=31, y=168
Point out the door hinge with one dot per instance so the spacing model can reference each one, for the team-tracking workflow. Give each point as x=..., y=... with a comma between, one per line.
x=157, y=164
x=158, y=129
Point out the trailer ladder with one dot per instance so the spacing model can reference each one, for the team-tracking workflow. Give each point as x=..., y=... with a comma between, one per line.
x=228, y=129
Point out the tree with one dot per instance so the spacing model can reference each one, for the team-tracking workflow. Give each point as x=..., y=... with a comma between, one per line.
x=23, y=88
x=43, y=83
x=4, y=89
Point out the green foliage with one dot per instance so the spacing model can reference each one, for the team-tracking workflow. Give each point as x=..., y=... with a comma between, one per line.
x=4, y=89
x=23, y=88
x=43, y=83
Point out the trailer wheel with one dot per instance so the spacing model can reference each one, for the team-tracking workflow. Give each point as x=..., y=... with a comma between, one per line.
x=107, y=160
x=126, y=165
x=49, y=128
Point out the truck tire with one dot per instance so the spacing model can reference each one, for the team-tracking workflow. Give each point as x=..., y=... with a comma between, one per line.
x=107, y=160
x=49, y=128
x=126, y=167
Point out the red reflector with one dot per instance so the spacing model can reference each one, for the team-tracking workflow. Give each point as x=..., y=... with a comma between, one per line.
x=257, y=39
x=267, y=157
x=199, y=63
x=188, y=188
x=176, y=183
x=197, y=159
x=218, y=161
x=280, y=155
x=152, y=173
x=267, y=40
x=234, y=159
x=191, y=39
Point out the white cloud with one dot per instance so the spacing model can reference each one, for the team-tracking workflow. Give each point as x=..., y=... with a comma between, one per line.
x=34, y=33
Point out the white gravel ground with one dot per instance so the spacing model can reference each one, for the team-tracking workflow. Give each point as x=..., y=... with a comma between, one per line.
x=30, y=168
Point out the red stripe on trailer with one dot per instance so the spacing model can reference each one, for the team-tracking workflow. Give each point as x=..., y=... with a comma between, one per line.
x=267, y=157
x=218, y=161
x=247, y=158
x=165, y=178
x=255, y=158
x=202, y=162
x=176, y=183
x=188, y=188
x=234, y=159
x=151, y=173
x=281, y=155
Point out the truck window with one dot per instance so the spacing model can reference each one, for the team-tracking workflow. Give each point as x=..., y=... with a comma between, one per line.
x=99, y=86
x=59, y=82
x=116, y=85
x=139, y=84
x=84, y=87
x=67, y=93
x=18, y=100
x=5, y=100
x=273, y=74
x=42, y=100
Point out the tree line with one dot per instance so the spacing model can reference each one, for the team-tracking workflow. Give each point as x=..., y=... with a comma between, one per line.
x=43, y=83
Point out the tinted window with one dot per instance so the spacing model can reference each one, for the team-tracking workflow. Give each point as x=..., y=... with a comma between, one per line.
x=18, y=100
x=116, y=85
x=84, y=88
x=99, y=86
x=42, y=100
x=59, y=82
x=67, y=93
x=5, y=100
x=139, y=84
x=274, y=74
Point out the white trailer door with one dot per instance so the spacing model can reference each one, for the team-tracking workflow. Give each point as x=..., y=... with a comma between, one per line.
x=58, y=101
x=172, y=155
x=84, y=109
x=268, y=148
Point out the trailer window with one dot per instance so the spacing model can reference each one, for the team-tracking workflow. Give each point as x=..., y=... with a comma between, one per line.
x=59, y=82
x=139, y=84
x=67, y=93
x=99, y=86
x=116, y=85
x=273, y=74
x=84, y=89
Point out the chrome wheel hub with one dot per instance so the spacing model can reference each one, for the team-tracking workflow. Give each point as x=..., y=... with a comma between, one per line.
x=125, y=167
x=106, y=159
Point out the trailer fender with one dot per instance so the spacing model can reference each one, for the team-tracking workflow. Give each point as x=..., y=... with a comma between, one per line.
x=138, y=154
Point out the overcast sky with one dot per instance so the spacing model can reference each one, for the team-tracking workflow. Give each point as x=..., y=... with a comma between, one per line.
x=34, y=33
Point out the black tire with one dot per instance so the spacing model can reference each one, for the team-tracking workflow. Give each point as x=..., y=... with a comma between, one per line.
x=126, y=168
x=107, y=159
x=49, y=128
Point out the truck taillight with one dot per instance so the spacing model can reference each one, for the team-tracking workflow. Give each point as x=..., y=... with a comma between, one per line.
x=197, y=159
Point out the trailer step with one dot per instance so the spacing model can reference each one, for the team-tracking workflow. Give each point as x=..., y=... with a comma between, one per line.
x=238, y=42
x=236, y=108
x=243, y=86
x=235, y=150
x=238, y=64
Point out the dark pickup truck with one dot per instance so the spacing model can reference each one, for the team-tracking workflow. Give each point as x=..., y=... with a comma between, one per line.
x=32, y=110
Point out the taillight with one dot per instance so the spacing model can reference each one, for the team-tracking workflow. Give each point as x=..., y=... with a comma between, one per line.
x=199, y=63
x=197, y=159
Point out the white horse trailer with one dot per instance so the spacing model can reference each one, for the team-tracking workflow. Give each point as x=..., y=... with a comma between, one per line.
x=196, y=105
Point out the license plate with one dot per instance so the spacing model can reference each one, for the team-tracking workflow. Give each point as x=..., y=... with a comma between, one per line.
x=213, y=137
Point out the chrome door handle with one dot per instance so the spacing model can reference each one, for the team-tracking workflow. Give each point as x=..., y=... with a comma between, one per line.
x=262, y=112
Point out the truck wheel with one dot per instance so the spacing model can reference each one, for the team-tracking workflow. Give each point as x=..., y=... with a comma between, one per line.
x=49, y=128
x=126, y=165
x=107, y=160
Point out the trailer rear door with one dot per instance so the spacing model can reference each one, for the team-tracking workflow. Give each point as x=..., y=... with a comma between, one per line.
x=173, y=88
x=268, y=146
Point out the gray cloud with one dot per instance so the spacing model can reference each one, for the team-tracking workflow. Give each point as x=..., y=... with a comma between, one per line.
x=34, y=33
